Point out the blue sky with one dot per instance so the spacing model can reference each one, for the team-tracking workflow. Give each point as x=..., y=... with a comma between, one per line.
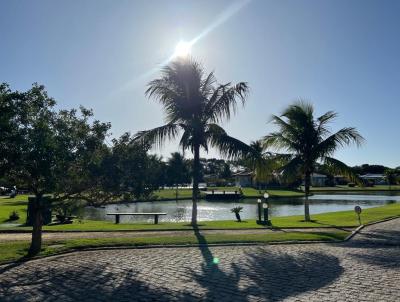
x=340, y=55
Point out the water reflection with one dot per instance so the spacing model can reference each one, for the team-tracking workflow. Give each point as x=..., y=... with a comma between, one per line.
x=180, y=211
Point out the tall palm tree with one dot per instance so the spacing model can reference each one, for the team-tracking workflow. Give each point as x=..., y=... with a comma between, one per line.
x=194, y=103
x=260, y=162
x=307, y=141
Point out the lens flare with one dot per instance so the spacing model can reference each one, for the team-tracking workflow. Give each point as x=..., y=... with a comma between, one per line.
x=182, y=49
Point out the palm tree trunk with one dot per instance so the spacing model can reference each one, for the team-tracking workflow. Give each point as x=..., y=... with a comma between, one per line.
x=307, y=183
x=36, y=242
x=195, y=191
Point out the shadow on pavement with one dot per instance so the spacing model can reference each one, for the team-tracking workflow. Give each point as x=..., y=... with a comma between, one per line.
x=89, y=283
x=387, y=258
x=265, y=275
x=375, y=239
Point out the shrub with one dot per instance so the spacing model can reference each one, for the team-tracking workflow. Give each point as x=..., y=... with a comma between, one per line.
x=66, y=209
x=14, y=216
x=237, y=211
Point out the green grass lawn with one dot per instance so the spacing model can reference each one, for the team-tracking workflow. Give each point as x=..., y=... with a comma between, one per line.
x=12, y=251
x=171, y=194
x=7, y=205
x=350, y=189
x=247, y=193
x=254, y=193
x=343, y=218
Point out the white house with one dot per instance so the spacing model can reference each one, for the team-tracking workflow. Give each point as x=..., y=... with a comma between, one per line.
x=318, y=180
x=243, y=179
x=376, y=179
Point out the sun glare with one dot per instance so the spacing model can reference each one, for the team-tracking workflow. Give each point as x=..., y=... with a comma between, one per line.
x=182, y=49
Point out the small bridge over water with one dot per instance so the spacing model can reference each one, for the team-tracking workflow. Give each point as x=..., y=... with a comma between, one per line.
x=220, y=194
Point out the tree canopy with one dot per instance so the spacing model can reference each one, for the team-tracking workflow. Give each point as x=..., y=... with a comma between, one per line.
x=194, y=104
x=307, y=140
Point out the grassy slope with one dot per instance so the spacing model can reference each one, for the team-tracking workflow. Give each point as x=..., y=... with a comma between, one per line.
x=247, y=192
x=15, y=250
x=343, y=218
x=171, y=194
x=355, y=189
x=7, y=205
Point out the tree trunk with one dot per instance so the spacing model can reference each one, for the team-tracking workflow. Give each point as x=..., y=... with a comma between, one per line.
x=307, y=183
x=176, y=192
x=37, y=222
x=238, y=217
x=195, y=191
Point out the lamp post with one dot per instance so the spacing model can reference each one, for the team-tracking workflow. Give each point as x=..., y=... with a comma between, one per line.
x=263, y=208
x=259, y=210
x=266, y=209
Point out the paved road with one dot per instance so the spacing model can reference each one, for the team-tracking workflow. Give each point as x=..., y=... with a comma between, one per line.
x=365, y=269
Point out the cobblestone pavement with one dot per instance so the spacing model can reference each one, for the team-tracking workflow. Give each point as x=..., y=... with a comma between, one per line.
x=365, y=269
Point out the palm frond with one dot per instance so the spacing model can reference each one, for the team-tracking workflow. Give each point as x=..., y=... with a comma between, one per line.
x=157, y=136
x=349, y=135
x=277, y=140
x=224, y=101
x=292, y=168
x=323, y=121
x=343, y=137
x=207, y=86
x=228, y=146
x=337, y=167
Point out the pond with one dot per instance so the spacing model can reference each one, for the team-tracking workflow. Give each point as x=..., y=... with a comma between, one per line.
x=180, y=211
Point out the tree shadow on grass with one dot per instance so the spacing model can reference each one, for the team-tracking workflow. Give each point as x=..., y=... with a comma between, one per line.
x=13, y=202
x=263, y=274
x=331, y=226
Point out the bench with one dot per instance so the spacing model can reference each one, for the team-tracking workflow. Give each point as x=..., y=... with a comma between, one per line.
x=117, y=215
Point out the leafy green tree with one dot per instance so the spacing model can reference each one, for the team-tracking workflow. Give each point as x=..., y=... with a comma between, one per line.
x=10, y=107
x=53, y=152
x=261, y=162
x=366, y=168
x=177, y=171
x=307, y=140
x=136, y=174
x=391, y=177
x=194, y=103
x=225, y=171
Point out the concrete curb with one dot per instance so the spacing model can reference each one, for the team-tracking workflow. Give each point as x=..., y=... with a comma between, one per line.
x=353, y=233
x=383, y=220
x=357, y=230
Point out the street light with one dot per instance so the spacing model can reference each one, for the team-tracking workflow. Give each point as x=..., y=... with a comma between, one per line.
x=259, y=209
x=265, y=207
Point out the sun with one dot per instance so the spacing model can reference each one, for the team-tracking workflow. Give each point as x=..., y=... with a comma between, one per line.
x=182, y=49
